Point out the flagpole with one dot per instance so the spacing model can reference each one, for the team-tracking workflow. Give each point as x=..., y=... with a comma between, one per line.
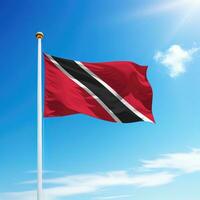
x=39, y=36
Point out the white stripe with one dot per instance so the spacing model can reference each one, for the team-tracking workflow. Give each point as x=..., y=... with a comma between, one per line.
x=129, y=106
x=85, y=88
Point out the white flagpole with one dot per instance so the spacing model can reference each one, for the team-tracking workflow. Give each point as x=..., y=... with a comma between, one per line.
x=39, y=36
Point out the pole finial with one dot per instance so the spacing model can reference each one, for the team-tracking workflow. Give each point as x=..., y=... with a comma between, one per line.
x=39, y=35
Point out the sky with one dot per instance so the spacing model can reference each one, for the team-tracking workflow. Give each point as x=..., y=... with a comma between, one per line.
x=88, y=158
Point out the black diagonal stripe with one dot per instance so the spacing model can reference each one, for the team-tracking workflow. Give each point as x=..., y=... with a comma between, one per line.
x=110, y=100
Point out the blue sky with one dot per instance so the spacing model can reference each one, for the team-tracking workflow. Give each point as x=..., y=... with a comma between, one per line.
x=86, y=158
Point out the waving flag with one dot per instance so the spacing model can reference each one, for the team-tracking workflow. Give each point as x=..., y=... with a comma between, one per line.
x=112, y=91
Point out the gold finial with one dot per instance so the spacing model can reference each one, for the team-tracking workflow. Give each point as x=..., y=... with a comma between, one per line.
x=39, y=35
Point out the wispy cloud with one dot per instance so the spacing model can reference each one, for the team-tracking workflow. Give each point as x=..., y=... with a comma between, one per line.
x=112, y=197
x=27, y=195
x=111, y=179
x=162, y=7
x=178, y=12
x=44, y=171
x=80, y=184
x=160, y=171
x=175, y=59
x=185, y=162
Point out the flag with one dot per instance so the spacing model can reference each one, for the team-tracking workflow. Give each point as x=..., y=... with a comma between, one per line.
x=112, y=91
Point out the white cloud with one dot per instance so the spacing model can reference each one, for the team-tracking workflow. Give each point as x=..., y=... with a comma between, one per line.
x=183, y=9
x=80, y=184
x=163, y=7
x=113, y=197
x=169, y=166
x=110, y=179
x=28, y=195
x=175, y=59
x=185, y=162
x=44, y=171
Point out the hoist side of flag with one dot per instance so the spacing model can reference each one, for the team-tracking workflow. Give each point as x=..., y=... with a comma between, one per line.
x=112, y=91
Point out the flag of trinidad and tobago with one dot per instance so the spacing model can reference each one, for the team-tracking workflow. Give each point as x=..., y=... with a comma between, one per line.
x=112, y=91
